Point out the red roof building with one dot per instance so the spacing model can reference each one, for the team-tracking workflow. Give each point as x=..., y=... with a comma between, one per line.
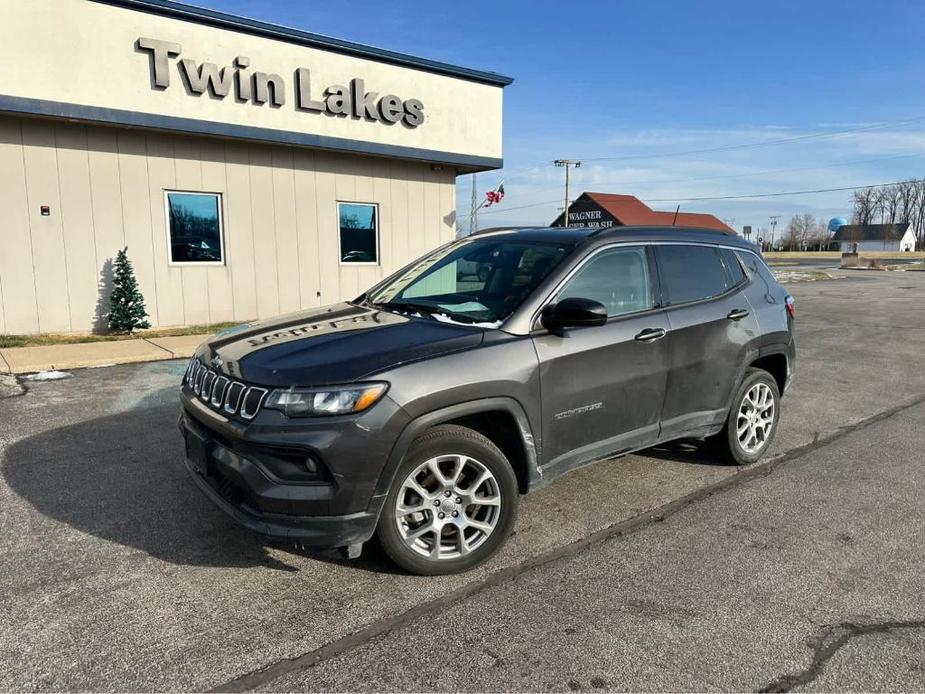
x=607, y=209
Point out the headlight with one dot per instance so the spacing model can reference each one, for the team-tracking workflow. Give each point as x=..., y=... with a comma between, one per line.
x=323, y=402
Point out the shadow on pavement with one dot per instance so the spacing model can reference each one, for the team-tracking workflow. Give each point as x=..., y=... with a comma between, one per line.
x=684, y=451
x=122, y=478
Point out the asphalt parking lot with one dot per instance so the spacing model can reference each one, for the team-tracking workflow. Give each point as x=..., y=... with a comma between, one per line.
x=119, y=575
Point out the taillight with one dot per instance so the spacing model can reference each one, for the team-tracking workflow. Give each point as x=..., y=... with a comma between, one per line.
x=790, y=307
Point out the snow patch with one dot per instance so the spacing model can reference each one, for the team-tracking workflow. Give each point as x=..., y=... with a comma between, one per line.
x=47, y=376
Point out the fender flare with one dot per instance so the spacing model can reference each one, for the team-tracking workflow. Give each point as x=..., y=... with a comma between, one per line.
x=446, y=414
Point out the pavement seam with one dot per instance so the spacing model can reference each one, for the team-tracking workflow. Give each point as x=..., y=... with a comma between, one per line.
x=154, y=344
x=252, y=680
x=827, y=644
x=6, y=364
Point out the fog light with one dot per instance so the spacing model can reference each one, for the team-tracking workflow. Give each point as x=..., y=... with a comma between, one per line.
x=311, y=465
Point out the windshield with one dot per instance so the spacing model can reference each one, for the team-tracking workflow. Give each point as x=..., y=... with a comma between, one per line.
x=479, y=280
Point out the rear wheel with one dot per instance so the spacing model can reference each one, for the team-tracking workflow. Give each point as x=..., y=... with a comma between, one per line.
x=752, y=420
x=452, y=504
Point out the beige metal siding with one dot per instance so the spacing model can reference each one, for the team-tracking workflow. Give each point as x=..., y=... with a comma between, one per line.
x=105, y=187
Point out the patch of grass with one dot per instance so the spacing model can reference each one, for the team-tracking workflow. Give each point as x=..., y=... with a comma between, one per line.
x=71, y=339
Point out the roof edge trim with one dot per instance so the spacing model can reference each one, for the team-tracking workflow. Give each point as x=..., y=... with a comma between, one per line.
x=223, y=20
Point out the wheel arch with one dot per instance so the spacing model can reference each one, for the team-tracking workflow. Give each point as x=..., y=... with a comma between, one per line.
x=776, y=362
x=501, y=419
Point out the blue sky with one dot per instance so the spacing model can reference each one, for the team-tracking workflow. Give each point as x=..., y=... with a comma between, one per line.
x=626, y=86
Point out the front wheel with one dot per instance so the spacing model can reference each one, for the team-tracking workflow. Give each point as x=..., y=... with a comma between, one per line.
x=752, y=420
x=452, y=504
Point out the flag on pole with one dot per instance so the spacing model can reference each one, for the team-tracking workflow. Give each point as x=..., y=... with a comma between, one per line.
x=493, y=197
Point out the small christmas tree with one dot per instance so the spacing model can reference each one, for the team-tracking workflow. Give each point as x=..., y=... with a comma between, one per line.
x=126, y=304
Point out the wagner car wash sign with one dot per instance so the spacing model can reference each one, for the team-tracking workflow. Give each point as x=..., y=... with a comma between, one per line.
x=586, y=213
x=129, y=63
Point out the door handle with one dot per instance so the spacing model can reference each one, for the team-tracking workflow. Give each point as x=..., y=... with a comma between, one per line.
x=737, y=314
x=651, y=334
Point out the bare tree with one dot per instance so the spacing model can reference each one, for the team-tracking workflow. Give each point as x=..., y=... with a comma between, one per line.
x=865, y=206
x=896, y=204
x=799, y=232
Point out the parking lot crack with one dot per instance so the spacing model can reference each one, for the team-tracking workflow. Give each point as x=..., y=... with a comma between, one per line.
x=827, y=643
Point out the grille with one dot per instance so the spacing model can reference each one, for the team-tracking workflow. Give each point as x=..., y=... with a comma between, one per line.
x=222, y=394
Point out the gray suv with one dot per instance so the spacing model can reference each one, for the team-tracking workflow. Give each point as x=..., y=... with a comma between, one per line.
x=420, y=411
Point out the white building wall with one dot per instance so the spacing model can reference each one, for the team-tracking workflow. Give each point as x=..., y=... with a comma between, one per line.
x=105, y=188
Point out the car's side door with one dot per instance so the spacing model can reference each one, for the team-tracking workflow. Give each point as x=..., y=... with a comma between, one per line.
x=602, y=387
x=713, y=326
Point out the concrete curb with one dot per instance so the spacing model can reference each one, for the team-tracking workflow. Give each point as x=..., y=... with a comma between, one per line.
x=20, y=360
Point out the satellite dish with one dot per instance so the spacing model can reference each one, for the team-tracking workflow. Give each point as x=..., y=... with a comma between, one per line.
x=836, y=222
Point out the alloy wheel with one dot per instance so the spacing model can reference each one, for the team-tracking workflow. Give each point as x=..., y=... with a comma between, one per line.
x=755, y=418
x=447, y=507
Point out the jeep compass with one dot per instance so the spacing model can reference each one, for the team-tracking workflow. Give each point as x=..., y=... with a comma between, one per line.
x=420, y=411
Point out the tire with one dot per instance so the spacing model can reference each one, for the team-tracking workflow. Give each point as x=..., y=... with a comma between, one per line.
x=749, y=446
x=472, y=469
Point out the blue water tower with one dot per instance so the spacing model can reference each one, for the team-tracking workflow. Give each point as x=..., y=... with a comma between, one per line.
x=836, y=222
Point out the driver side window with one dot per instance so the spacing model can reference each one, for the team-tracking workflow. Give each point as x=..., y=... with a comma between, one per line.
x=617, y=278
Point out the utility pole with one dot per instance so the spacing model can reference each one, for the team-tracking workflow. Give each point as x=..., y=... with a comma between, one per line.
x=567, y=163
x=774, y=218
x=473, y=209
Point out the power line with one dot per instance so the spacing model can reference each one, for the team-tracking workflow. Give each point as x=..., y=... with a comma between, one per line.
x=752, y=174
x=719, y=197
x=774, y=195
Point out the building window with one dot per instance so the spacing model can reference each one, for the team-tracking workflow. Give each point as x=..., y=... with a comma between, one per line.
x=359, y=232
x=194, y=221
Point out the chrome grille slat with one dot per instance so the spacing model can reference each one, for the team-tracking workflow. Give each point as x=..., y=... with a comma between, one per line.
x=253, y=391
x=218, y=392
x=222, y=393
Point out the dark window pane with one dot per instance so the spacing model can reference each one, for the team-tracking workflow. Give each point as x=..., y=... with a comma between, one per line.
x=358, y=233
x=195, y=228
x=617, y=278
x=691, y=273
x=734, y=270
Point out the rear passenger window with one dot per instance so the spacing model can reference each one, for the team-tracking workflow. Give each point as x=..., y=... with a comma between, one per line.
x=734, y=271
x=691, y=273
x=617, y=278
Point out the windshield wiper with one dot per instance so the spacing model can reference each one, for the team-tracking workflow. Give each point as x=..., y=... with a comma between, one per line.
x=408, y=307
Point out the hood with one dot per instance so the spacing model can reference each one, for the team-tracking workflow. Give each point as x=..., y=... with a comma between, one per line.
x=336, y=344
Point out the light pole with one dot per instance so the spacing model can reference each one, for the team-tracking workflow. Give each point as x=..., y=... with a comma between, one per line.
x=567, y=163
x=774, y=218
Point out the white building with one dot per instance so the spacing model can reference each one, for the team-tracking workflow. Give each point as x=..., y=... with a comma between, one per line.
x=876, y=237
x=251, y=169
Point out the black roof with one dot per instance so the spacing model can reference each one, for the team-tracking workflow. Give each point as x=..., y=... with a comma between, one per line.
x=624, y=233
x=871, y=232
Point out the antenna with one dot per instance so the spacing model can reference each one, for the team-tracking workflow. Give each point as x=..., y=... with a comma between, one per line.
x=677, y=209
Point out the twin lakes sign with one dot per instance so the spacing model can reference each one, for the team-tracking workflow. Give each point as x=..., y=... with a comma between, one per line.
x=191, y=73
x=261, y=88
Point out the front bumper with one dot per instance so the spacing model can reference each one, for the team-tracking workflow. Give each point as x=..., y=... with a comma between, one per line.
x=228, y=462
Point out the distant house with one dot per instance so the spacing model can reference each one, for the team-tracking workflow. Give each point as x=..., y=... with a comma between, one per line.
x=875, y=237
x=607, y=209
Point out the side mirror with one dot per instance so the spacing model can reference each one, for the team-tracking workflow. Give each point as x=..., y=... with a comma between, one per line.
x=573, y=313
